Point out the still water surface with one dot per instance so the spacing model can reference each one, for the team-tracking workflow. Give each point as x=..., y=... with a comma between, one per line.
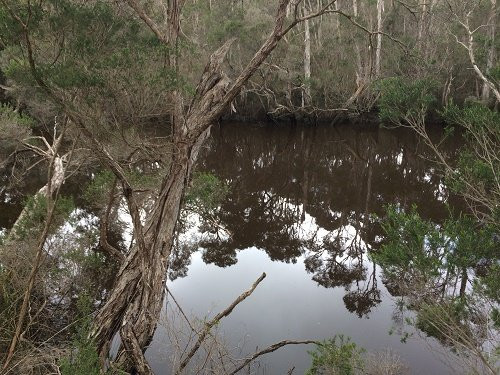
x=301, y=207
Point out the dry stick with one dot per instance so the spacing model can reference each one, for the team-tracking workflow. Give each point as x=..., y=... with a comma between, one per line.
x=215, y=320
x=181, y=310
x=38, y=258
x=271, y=349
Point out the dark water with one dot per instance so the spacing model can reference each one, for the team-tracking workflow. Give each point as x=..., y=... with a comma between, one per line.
x=301, y=207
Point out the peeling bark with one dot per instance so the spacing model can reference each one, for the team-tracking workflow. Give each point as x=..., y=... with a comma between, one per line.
x=136, y=300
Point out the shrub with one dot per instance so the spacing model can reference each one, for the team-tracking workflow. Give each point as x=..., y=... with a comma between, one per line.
x=336, y=356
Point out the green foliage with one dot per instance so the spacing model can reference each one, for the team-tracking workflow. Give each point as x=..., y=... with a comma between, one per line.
x=495, y=73
x=404, y=100
x=99, y=187
x=415, y=246
x=336, y=356
x=8, y=115
x=411, y=244
x=142, y=179
x=36, y=212
x=474, y=117
x=91, y=50
x=206, y=192
x=427, y=261
x=478, y=169
x=489, y=284
x=495, y=317
x=88, y=261
x=85, y=359
x=441, y=318
x=14, y=126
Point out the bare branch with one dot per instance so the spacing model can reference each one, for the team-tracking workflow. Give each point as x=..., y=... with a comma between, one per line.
x=270, y=349
x=148, y=21
x=215, y=320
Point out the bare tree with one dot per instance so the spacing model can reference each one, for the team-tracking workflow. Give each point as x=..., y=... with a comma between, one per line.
x=491, y=54
x=378, y=50
x=470, y=45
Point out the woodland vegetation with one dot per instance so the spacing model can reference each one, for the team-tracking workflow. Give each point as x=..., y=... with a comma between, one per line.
x=120, y=97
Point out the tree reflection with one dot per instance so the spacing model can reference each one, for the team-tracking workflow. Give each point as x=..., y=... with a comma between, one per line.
x=313, y=193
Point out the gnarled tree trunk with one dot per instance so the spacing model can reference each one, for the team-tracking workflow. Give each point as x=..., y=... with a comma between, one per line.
x=136, y=300
x=134, y=305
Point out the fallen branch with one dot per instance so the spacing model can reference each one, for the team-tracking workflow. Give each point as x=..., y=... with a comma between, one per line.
x=271, y=349
x=216, y=320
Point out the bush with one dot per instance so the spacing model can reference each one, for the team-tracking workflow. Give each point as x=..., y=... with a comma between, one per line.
x=337, y=356
x=402, y=100
x=84, y=359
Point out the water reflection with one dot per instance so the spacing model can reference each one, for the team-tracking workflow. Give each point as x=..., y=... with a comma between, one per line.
x=312, y=193
x=304, y=199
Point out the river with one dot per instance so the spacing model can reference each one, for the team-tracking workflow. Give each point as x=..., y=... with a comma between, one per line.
x=302, y=205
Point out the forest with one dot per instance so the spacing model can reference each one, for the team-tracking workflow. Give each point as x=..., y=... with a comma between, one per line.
x=348, y=151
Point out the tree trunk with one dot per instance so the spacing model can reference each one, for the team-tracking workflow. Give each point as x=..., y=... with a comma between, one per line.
x=421, y=26
x=463, y=283
x=134, y=305
x=490, y=58
x=136, y=300
x=378, y=50
x=360, y=71
x=137, y=296
x=306, y=94
x=47, y=190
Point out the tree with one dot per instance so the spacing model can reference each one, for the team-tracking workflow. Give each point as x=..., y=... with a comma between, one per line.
x=137, y=295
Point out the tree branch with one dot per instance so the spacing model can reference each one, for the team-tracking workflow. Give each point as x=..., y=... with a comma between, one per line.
x=270, y=349
x=215, y=320
x=148, y=21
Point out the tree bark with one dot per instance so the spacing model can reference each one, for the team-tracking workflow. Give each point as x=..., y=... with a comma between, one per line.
x=135, y=302
x=486, y=81
x=55, y=183
x=378, y=50
x=490, y=58
x=306, y=94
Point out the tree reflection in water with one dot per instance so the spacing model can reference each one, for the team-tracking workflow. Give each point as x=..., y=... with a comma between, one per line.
x=314, y=193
